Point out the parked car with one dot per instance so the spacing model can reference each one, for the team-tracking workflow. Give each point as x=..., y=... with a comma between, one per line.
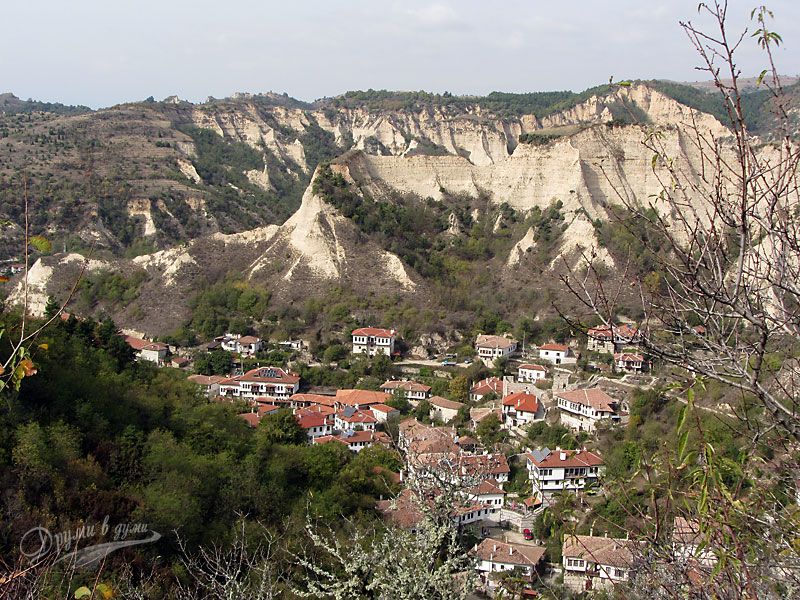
x=527, y=534
x=449, y=363
x=467, y=361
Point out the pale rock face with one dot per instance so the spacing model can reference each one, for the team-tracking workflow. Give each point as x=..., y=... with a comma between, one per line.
x=310, y=239
x=579, y=240
x=141, y=208
x=38, y=279
x=168, y=262
x=259, y=178
x=189, y=171
x=526, y=244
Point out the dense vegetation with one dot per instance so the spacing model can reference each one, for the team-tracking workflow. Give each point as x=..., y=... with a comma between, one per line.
x=95, y=434
x=11, y=105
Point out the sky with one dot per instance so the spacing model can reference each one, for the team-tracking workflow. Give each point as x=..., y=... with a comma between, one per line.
x=103, y=52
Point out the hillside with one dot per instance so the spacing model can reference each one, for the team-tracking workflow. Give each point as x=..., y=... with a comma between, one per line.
x=469, y=205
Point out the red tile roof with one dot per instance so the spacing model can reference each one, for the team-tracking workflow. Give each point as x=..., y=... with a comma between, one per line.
x=359, y=416
x=628, y=357
x=533, y=368
x=611, y=552
x=361, y=397
x=246, y=340
x=494, y=341
x=572, y=458
x=445, y=403
x=265, y=409
x=374, y=332
x=522, y=402
x=308, y=420
x=252, y=419
x=139, y=344
x=264, y=375
x=314, y=399
x=510, y=554
x=594, y=397
x=406, y=386
x=382, y=408
x=554, y=347
x=490, y=385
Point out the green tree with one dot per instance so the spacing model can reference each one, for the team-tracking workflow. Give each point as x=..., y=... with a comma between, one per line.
x=490, y=431
x=281, y=427
x=459, y=389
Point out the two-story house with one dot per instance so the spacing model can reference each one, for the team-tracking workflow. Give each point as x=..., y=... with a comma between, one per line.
x=521, y=409
x=486, y=387
x=314, y=423
x=492, y=347
x=495, y=556
x=612, y=339
x=154, y=352
x=628, y=362
x=531, y=373
x=354, y=419
x=582, y=410
x=555, y=353
x=246, y=345
x=412, y=391
x=374, y=340
x=552, y=471
x=266, y=382
x=596, y=563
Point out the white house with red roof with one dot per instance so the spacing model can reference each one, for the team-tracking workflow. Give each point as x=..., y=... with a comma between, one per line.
x=359, y=398
x=597, y=563
x=154, y=352
x=246, y=345
x=521, y=409
x=382, y=412
x=582, y=410
x=354, y=419
x=412, y=390
x=558, y=354
x=612, y=339
x=488, y=492
x=629, y=362
x=208, y=383
x=374, y=340
x=485, y=387
x=552, y=471
x=492, y=347
x=314, y=423
x=495, y=556
x=356, y=441
x=531, y=373
x=266, y=382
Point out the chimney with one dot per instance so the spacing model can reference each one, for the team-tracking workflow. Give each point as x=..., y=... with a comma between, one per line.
x=494, y=547
x=510, y=550
x=563, y=456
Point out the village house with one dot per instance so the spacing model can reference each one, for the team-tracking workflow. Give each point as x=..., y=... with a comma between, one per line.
x=356, y=441
x=154, y=352
x=485, y=466
x=308, y=400
x=382, y=412
x=245, y=345
x=314, y=423
x=267, y=382
x=443, y=409
x=582, y=410
x=600, y=339
x=492, y=347
x=373, y=340
x=178, y=362
x=415, y=438
x=353, y=419
x=494, y=556
x=359, y=398
x=563, y=470
x=626, y=362
x=208, y=383
x=488, y=492
x=411, y=390
x=251, y=418
x=531, y=373
x=595, y=563
x=558, y=354
x=521, y=409
x=485, y=387
x=404, y=512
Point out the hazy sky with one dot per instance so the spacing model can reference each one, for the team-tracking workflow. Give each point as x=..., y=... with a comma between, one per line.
x=101, y=52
